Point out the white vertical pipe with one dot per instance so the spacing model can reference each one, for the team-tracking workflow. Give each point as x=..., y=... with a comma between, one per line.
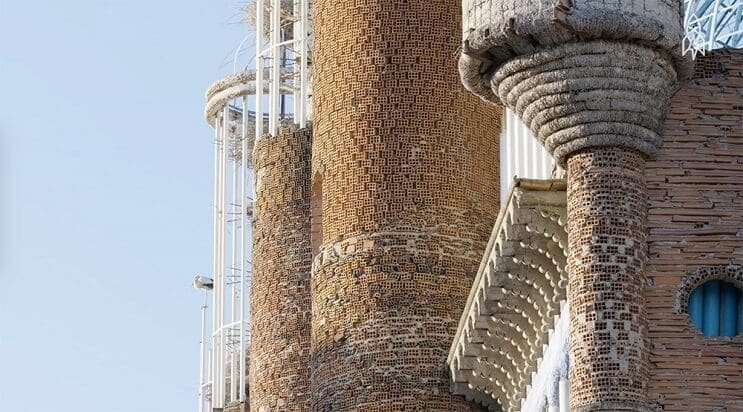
x=516, y=145
x=531, y=156
x=219, y=367
x=210, y=383
x=260, y=65
x=564, y=395
x=304, y=26
x=503, y=161
x=202, y=354
x=243, y=231
x=275, y=81
x=234, y=203
x=215, y=244
x=296, y=58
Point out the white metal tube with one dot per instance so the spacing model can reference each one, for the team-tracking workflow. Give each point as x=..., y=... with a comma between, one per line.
x=210, y=383
x=304, y=26
x=260, y=65
x=202, y=354
x=235, y=204
x=564, y=395
x=215, y=245
x=223, y=259
x=502, y=162
x=243, y=243
x=297, y=39
x=275, y=81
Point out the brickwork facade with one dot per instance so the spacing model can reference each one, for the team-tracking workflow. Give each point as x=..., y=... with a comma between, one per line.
x=407, y=162
x=280, y=295
x=695, y=222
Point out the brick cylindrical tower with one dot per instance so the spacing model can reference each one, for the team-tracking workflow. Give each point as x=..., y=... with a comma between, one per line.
x=593, y=81
x=280, y=295
x=405, y=167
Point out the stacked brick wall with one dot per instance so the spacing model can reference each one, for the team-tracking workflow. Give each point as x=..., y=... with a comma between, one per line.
x=280, y=296
x=407, y=162
x=696, y=220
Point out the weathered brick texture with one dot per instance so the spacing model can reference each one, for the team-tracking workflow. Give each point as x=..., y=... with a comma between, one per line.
x=696, y=220
x=408, y=166
x=280, y=295
x=607, y=215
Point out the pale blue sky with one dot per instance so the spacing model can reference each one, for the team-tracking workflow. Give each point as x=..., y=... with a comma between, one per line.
x=105, y=178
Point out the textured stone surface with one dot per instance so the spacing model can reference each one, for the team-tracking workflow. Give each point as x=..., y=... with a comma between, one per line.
x=497, y=30
x=589, y=94
x=280, y=295
x=607, y=213
x=408, y=165
x=695, y=188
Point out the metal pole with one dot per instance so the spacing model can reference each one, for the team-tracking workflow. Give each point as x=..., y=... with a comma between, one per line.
x=275, y=81
x=243, y=231
x=202, y=353
x=210, y=372
x=564, y=395
x=215, y=245
x=233, y=272
x=303, y=65
x=297, y=58
x=223, y=258
x=260, y=64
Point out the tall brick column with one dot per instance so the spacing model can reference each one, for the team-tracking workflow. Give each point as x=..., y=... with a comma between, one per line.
x=406, y=162
x=592, y=80
x=280, y=294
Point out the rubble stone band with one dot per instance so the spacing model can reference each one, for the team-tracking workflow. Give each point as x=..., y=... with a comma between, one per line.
x=591, y=94
x=607, y=226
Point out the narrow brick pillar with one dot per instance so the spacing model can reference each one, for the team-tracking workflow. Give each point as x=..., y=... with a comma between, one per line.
x=407, y=164
x=280, y=295
x=607, y=223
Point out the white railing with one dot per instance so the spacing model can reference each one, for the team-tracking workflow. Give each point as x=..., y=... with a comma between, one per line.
x=285, y=57
x=243, y=107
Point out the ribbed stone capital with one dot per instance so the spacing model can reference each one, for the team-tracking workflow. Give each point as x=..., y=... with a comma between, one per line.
x=495, y=31
x=590, y=94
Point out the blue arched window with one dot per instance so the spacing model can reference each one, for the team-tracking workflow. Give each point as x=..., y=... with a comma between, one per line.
x=716, y=308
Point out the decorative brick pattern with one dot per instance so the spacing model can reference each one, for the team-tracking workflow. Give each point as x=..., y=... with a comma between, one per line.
x=408, y=164
x=607, y=212
x=695, y=220
x=280, y=329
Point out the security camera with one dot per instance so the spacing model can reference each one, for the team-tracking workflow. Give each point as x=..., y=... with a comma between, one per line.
x=203, y=282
